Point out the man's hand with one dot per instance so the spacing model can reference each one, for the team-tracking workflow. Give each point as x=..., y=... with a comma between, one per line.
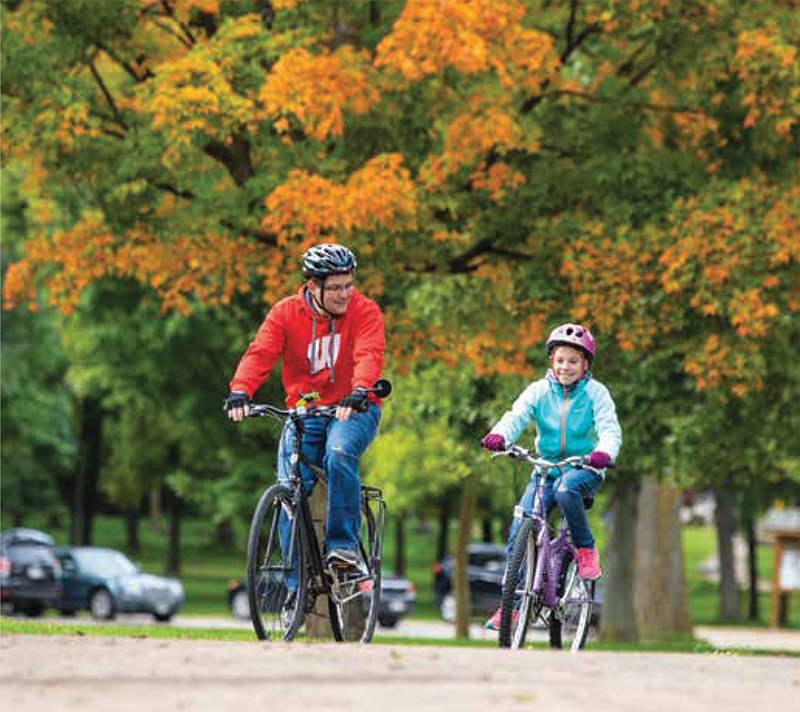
x=358, y=400
x=237, y=406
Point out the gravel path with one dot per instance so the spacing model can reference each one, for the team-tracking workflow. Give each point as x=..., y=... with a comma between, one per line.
x=85, y=674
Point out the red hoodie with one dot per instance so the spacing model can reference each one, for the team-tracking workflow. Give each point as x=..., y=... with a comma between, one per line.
x=331, y=356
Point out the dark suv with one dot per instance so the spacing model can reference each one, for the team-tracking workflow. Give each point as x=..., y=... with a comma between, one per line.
x=487, y=563
x=30, y=575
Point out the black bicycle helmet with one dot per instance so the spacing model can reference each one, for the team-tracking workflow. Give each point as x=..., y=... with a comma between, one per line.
x=324, y=260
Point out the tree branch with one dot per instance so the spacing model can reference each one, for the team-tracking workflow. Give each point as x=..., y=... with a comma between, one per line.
x=118, y=117
x=235, y=156
x=169, y=188
x=169, y=12
x=125, y=65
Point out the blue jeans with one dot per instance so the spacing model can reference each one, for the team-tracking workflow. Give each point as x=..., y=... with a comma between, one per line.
x=568, y=491
x=336, y=446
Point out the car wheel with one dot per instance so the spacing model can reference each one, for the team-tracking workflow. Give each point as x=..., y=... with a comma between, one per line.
x=32, y=610
x=388, y=622
x=448, y=608
x=163, y=617
x=101, y=604
x=240, y=607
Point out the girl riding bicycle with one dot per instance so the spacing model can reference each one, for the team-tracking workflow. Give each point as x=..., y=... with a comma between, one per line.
x=574, y=415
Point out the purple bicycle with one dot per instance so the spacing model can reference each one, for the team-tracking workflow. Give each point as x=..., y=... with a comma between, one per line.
x=541, y=585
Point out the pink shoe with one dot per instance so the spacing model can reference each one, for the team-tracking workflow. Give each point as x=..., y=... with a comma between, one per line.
x=494, y=622
x=589, y=564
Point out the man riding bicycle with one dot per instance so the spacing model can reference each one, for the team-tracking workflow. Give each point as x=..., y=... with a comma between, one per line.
x=331, y=340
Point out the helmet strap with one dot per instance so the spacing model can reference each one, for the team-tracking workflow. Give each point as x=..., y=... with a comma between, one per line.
x=316, y=303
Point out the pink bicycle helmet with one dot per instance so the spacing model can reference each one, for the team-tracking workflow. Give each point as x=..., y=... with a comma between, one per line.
x=571, y=335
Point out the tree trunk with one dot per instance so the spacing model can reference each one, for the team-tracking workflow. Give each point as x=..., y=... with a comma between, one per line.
x=87, y=473
x=618, y=620
x=725, y=518
x=132, y=543
x=752, y=567
x=156, y=516
x=660, y=599
x=486, y=530
x=173, y=564
x=223, y=535
x=442, y=535
x=460, y=578
x=318, y=624
x=399, y=546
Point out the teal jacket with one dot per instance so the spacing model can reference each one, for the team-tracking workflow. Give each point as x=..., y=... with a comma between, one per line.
x=570, y=420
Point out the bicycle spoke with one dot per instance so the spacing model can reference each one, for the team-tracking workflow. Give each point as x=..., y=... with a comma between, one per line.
x=569, y=626
x=354, y=601
x=276, y=568
x=520, y=604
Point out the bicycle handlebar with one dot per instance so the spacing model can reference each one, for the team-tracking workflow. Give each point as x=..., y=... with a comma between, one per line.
x=381, y=388
x=258, y=410
x=520, y=453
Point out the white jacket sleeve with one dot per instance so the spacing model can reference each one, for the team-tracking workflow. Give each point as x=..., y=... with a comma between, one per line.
x=606, y=425
x=521, y=415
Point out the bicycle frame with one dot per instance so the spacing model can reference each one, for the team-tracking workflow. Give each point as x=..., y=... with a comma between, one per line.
x=552, y=550
x=323, y=581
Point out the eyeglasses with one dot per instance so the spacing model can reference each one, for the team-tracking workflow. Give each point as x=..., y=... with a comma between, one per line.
x=339, y=288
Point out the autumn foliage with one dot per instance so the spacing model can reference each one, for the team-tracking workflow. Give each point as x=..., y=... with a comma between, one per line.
x=497, y=150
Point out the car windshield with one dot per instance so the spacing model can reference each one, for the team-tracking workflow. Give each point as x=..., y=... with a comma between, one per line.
x=104, y=563
x=488, y=560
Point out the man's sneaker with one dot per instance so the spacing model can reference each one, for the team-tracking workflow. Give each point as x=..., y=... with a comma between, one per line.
x=347, y=559
x=287, y=610
x=589, y=564
x=494, y=622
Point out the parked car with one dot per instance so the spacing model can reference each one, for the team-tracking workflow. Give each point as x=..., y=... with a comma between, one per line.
x=397, y=599
x=487, y=564
x=485, y=568
x=107, y=582
x=30, y=574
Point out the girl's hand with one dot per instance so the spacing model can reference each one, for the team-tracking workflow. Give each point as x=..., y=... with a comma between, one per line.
x=598, y=459
x=494, y=442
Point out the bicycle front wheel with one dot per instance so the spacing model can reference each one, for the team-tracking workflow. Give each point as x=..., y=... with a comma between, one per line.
x=277, y=568
x=355, y=600
x=569, y=623
x=520, y=605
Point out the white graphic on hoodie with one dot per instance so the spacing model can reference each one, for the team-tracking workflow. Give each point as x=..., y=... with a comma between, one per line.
x=322, y=353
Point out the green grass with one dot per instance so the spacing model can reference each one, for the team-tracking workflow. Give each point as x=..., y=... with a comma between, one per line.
x=208, y=569
x=10, y=626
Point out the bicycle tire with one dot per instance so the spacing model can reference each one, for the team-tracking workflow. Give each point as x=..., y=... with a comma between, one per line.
x=517, y=595
x=569, y=623
x=268, y=567
x=354, y=605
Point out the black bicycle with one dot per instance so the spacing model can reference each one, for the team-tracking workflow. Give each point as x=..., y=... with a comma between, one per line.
x=285, y=567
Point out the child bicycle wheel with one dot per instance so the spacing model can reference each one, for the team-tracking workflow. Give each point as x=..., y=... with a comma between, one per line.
x=355, y=599
x=569, y=623
x=519, y=605
x=277, y=569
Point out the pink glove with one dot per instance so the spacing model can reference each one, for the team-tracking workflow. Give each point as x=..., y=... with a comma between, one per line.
x=598, y=459
x=494, y=442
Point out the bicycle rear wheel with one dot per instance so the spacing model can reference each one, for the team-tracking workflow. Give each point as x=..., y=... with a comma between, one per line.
x=277, y=568
x=354, y=600
x=520, y=605
x=569, y=623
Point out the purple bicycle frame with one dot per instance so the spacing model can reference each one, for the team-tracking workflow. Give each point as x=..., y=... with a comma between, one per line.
x=553, y=551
